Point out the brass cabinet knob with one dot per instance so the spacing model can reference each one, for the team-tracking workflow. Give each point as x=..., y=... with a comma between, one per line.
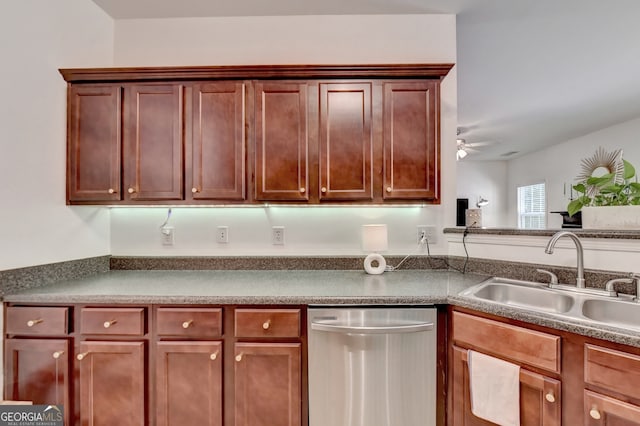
x=266, y=325
x=131, y=190
x=550, y=397
x=323, y=189
x=239, y=357
x=57, y=354
x=187, y=324
x=194, y=190
x=111, y=191
x=389, y=189
x=31, y=323
x=81, y=356
x=214, y=356
x=108, y=324
x=594, y=413
x=303, y=190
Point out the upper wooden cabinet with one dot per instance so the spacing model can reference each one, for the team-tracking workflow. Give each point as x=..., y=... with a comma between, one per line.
x=281, y=141
x=345, y=141
x=216, y=157
x=252, y=134
x=153, y=145
x=411, y=140
x=94, y=141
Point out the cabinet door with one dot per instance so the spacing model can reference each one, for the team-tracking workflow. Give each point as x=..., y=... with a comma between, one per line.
x=189, y=383
x=411, y=140
x=268, y=384
x=602, y=410
x=281, y=142
x=217, y=169
x=345, y=141
x=153, y=142
x=37, y=370
x=112, y=377
x=540, y=402
x=94, y=140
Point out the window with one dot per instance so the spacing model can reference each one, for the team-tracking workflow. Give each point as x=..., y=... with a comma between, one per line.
x=532, y=207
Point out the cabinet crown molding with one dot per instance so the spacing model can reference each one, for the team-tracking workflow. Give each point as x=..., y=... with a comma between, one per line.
x=232, y=72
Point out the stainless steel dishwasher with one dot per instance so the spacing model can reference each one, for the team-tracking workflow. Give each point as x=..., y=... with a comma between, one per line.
x=372, y=366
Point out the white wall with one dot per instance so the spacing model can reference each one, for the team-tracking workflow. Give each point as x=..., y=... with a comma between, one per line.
x=560, y=164
x=289, y=40
x=36, y=38
x=487, y=179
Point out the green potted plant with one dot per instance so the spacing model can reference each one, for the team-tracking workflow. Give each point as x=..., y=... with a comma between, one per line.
x=607, y=180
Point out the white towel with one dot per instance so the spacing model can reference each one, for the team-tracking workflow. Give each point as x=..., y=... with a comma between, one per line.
x=495, y=389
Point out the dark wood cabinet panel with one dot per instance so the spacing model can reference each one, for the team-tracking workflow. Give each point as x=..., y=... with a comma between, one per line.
x=189, y=383
x=267, y=323
x=411, y=139
x=112, y=383
x=37, y=370
x=281, y=141
x=540, y=402
x=94, y=143
x=31, y=320
x=153, y=142
x=268, y=384
x=601, y=410
x=345, y=141
x=217, y=155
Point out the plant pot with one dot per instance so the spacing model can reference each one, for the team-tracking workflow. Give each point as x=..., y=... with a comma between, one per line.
x=611, y=217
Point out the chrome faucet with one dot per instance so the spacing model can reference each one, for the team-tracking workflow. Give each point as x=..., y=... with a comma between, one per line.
x=551, y=244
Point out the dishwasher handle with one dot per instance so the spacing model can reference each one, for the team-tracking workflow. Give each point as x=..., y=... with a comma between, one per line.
x=385, y=329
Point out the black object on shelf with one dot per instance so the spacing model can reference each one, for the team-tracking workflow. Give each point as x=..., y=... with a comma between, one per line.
x=462, y=204
x=574, y=221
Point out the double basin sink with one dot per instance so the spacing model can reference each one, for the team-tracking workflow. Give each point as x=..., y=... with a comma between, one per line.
x=619, y=312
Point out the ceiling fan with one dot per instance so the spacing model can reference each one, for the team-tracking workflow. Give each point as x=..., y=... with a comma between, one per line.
x=464, y=148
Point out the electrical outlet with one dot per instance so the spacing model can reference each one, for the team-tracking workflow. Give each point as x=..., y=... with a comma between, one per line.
x=277, y=235
x=427, y=231
x=222, y=234
x=166, y=235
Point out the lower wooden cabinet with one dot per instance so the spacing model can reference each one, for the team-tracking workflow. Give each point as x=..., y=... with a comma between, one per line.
x=268, y=384
x=539, y=396
x=112, y=383
x=37, y=370
x=188, y=383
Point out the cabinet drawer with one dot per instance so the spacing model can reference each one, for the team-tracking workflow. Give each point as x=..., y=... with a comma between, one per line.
x=189, y=322
x=108, y=321
x=515, y=343
x=34, y=320
x=614, y=370
x=267, y=322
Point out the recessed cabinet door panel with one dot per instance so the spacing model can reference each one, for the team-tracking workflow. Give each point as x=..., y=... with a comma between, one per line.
x=94, y=141
x=268, y=384
x=189, y=383
x=37, y=370
x=411, y=140
x=345, y=141
x=281, y=145
x=540, y=397
x=218, y=150
x=153, y=138
x=112, y=377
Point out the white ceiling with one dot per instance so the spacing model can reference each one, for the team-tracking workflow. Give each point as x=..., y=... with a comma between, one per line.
x=531, y=73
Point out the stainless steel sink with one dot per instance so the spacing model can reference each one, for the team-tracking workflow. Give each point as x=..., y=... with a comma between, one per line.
x=613, y=312
x=592, y=307
x=523, y=294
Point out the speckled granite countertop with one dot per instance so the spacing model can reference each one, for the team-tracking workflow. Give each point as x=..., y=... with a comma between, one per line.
x=409, y=287
x=254, y=287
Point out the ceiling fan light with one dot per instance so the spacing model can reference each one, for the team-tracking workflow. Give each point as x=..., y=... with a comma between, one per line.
x=461, y=153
